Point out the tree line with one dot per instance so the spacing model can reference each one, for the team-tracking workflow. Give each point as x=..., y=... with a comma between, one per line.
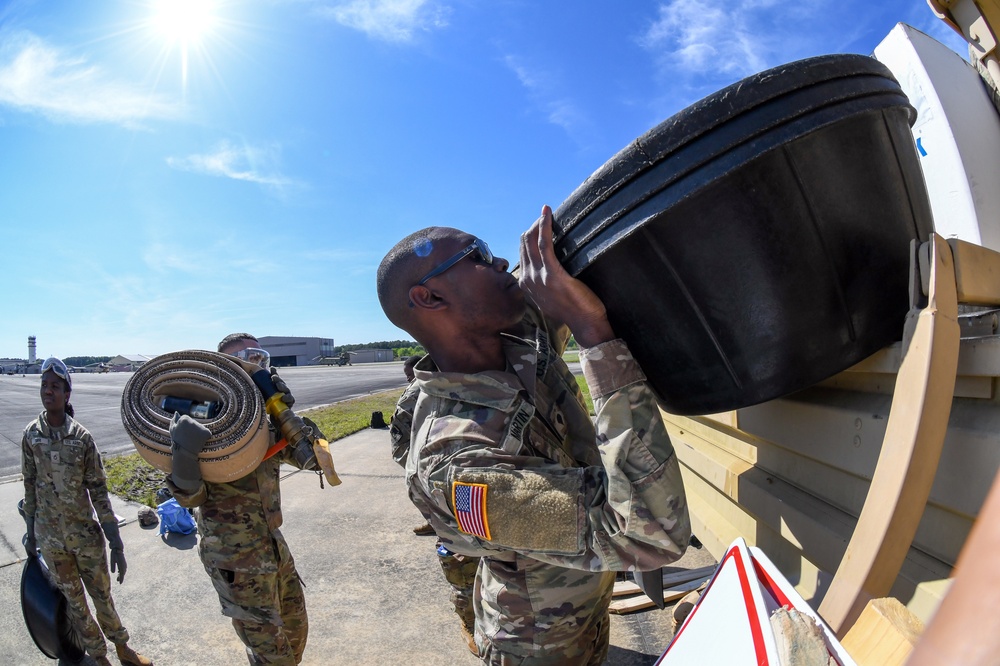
x=405, y=348
x=401, y=348
x=80, y=361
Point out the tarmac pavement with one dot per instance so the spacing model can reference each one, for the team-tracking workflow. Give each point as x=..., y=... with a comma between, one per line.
x=374, y=591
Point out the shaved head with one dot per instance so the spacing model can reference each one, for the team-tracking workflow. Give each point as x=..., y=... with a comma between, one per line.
x=233, y=338
x=404, y=265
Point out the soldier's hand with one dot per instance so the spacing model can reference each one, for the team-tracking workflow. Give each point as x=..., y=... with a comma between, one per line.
x=114, y=537
x=118, y=563
x=188, y=434
x=317, y=433
x=558, y=294
x=282, y=387
x=30, y=544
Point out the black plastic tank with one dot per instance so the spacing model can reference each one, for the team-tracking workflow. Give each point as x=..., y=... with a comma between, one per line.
x=45, y=611
x=757, y=242
x=46, y=615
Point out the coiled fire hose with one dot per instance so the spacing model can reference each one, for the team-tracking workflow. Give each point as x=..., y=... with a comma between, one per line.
x=240, y=438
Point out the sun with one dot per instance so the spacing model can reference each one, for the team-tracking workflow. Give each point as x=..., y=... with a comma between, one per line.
x=185, y=22
x=184, y=26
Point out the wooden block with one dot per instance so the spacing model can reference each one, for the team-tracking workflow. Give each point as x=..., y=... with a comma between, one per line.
x=642, y=602
x=799, y=639
x=884, y=634
x=977, y=273
x=624, y=588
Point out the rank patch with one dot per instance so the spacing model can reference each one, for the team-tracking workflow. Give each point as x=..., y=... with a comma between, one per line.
x=470, y=508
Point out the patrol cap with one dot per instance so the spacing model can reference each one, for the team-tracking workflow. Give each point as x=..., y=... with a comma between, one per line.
x=58, y=367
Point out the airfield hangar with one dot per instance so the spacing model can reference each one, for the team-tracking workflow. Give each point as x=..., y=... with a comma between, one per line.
x=289, y=351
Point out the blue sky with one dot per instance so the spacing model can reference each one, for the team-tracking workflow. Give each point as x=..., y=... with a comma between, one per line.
x=168, y=179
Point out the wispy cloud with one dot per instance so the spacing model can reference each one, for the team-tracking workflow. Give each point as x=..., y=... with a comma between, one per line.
x=389, y=20
x=698, y=48
x=711, y=37
x=558, y=110
x=36, y=77
x=221, y=256
x=249, y=163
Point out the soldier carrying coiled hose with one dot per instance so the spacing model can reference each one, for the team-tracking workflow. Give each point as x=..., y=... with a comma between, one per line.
x=228, y=474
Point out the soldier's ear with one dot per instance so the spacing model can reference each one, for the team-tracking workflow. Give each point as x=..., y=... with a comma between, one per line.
x=423, y=297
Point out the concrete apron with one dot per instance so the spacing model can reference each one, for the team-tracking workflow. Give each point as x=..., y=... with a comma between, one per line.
x=374, y=590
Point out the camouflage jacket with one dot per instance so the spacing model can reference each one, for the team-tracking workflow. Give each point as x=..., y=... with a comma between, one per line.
x=238, y=520
x=63, y=479
x=402, y=423
x=509, y=466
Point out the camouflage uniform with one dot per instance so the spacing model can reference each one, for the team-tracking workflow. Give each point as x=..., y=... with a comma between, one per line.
x=508, y=465
x=64, y=484
x=459, y=570
x=249, y=563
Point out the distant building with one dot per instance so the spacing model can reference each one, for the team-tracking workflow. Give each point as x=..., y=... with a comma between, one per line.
x=127, y=362
x=371, y=356
x=11, y=365
x=288, y=351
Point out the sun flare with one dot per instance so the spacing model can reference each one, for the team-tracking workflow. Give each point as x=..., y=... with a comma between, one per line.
x=184, y=27
x=184, y=21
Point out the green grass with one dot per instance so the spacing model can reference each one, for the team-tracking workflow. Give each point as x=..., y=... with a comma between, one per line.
x=348, y=417
x=586, y=393
x=132, y=478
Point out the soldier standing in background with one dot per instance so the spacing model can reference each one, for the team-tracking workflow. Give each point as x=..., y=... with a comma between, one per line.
x=64, y=484
x=241, y=544
x=504, y=460
x=459, y=570
x=399, y=429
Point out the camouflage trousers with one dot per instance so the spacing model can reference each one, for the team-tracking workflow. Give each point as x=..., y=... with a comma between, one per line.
x=543, y=616
x=460, y=572
x=268, y=610
x=87, y=567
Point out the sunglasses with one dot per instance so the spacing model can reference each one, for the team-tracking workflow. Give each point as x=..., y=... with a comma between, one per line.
x=477, y=246
x=258, y=357
x=58, y=367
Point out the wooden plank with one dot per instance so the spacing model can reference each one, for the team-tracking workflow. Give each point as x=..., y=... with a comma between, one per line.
x=730, y=419
x=626, y=587
x=977, y=357
x=884, y=635
x=807, y=522
x=642, y=602
x=978, y=387
x=977, y=273
x=738, y=442
x=823, y=422
x=910, y=452
x=717, y=520
x=831, y=483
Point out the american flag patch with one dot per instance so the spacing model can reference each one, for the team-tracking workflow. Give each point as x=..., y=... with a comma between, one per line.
x=470, y=508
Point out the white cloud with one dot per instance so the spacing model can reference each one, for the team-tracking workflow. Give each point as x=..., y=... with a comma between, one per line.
x=36, y=77
x=714, y=37
x=248, y=163
x=389, y=20
x=558, y=110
